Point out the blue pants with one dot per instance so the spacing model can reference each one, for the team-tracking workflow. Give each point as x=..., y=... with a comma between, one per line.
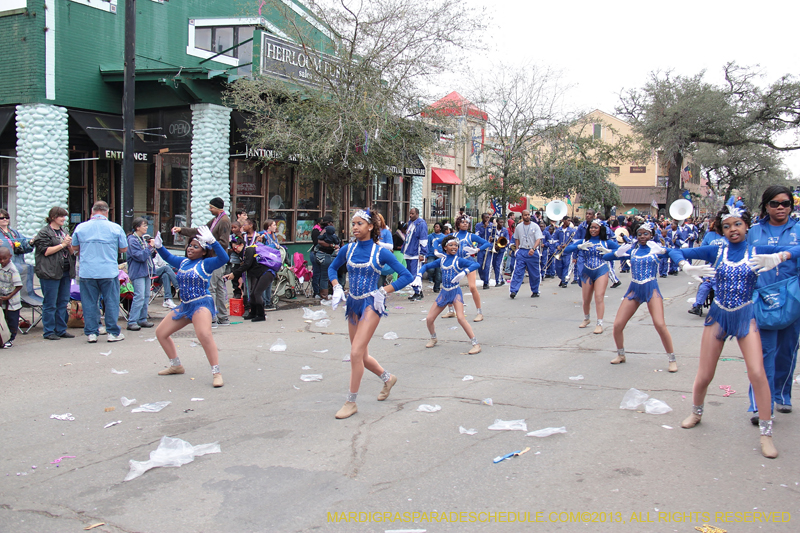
x=483, y=271
x=91, y=291
x=413, y=266
x=531, y=264
x=168, y=279
x=663, y=265
x=141, y=291
x=579, y=270
x=497, y=265
x=780, y=358
x=702, y=292
x=512, y=257
x=624, y=266
x=315, y=273
x=562, y=267
x=54, y=306
x=434, y=274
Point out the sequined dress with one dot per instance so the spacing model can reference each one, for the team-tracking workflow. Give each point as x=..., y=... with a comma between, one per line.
x=365, y=259
x=451, y=265
x=594, y=265
x=193, y=279
x=644, y=273
x=465, y=239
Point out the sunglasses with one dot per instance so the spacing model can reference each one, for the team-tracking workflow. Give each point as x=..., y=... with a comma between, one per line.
x=775, y=204
x=4, y=218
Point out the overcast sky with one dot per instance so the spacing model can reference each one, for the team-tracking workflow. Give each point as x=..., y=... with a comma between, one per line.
x=603, y=47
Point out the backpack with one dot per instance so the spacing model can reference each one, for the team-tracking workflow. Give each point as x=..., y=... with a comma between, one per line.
x=268, y=256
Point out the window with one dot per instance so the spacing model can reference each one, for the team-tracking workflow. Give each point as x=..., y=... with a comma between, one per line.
x=173, y=190
x=598, y=131
x=280, y=198
x=78, y=190
x=230, y=37
x=6, y=187
x=248, y=191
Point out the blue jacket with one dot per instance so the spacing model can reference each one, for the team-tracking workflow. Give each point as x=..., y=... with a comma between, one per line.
x=551, y=241
x=140, y=258
x=761, y=235
x=564, y=234
x=416, y=243
x=433, y=240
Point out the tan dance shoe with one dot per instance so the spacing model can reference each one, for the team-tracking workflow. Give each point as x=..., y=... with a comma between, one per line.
x=476, y=348
x=387, y=388
x=586, y=322
x=618, y=359
x=478, y=318
x=347, y=410
x=673, y=366
x=768, y=449
x=172, y=370
x=598, y=329
x=431, y=343
x=217, y=380
x=449, y=314
x=691, y=421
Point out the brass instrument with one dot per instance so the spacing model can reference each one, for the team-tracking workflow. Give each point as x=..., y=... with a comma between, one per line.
x=501, y=243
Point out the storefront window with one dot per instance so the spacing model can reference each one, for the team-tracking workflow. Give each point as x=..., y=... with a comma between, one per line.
x=358, y=197
x=283, y=220
x=248, y=186
x=78, y=193
x=400, y=197
x=281, y=186
x=440, y=201
x=174, y=196
x=4, y=170
x=305, y=224
x=308, y=195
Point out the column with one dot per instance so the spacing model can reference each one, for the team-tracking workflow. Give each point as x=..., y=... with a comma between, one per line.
x=42, y=165
x=416, y=193
x=211, y=126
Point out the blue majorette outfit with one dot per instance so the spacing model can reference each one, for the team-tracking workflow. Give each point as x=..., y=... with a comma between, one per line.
x=644, y=273
x=451, y=265
x=365, y=260
x=193, y=279
x=466, y=238
x=594, y=265
x=735, y=281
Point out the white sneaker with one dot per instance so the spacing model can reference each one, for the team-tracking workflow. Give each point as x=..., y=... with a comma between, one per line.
x=169, y=304
x=92, y=338
x=115, y=338
x=101, y=330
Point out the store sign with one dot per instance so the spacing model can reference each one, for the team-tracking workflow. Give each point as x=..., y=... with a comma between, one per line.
x=638, y=170
x=288, y=61
x=520, y=206
x=180, y=128
x=245, y=189
x=406, y=171
x=138, y=157
x=271, y=155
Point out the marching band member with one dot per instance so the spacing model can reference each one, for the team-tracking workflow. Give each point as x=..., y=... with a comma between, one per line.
x=468, y=245
x=564, y=235
x=551, y=243
x=415, y=246
x=527, y=237
x=434, y=239
x=643, y=258
x=580, y=234
x=453, y=268
x=663, y=263
x=595, y=271
x=674, y=240
x=711, y=238
x=495, y=259
x=731, y=314
x=365, y=304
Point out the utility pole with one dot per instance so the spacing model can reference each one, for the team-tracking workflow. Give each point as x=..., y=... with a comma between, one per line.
x=128, y=115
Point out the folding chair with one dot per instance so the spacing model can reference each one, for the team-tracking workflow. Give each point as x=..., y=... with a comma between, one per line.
x=33, y=302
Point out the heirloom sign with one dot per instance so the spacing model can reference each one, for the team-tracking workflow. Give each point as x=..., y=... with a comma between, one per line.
x=286, y=60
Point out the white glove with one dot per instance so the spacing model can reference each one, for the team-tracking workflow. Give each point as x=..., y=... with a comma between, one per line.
x=622, y=251
x=763, y=262
x=458, y=277
x=470, y=250
x=417, y=281
x=586, y=245
x=338, y=296
x=698, y=272
x=379, y=299
x=685, y=245
x=204, y=235
x=386, y=245
x=657, y=248
x=439, y=254
x=157, y=242
x=602, y=249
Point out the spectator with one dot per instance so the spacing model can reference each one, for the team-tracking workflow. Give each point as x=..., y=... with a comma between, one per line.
x=220, y=227
x=10, y=301
x=324, y=259
x=19, y=246
x=168, y=279
x=99, y=241
x=317, y=270
x=140, y=267
x=55, y=266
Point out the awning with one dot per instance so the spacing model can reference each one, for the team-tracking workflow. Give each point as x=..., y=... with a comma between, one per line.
x=443, y=175
x=106, y=132
x=6, y=114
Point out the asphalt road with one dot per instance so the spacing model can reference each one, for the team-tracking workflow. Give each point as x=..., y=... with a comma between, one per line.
x=287, y=465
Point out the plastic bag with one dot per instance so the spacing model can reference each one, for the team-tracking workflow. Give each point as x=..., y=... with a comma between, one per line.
x=170, y=452
x=150, y=407
x=656, y=407
x=546, y=432
x=390, y=336
x=576, y=378
x=326, y=302
x=487, y=401
x=126, y=402
x=324, y=323
x=633, y=399
x=278, y=346
x=308, y=314
x=311, y=377
x=467, y=378
x=465, y=431
x=113, y=371
x=424, y=408
x=509, y=425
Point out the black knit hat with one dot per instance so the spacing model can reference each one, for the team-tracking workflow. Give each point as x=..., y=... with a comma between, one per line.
x=217, y=202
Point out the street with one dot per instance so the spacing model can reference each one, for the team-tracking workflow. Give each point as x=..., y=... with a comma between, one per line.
x=287, y=465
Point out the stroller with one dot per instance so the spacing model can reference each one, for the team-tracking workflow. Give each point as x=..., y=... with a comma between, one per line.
x=303, y=275
x=285, y=282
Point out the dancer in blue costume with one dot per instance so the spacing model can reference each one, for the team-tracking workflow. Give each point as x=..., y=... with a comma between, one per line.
x=594, y=276
x=731, y=314
x=197, y=304
x=644, y=258
x=365, y=303
x=468, y=245
x=454, y=269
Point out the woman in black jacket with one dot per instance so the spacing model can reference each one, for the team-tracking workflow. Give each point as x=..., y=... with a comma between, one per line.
x=259, y=277
x=55, y=266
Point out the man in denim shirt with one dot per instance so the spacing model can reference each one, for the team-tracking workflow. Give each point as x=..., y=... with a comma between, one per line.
x=99, y=241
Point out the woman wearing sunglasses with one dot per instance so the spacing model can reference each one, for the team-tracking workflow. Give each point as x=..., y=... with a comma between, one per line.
x=779, y=347
x=19, y=246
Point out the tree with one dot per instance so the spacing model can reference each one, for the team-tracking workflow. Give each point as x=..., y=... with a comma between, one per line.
x=357, y=110
x=676, y=113
x=746, y=167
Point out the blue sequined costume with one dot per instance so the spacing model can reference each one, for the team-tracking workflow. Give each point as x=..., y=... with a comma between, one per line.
x=451, y=266
x=644, y=273
x=594, y=265
x=464, y=239
x=735, y=281
x=193, y=278
x=365, y=259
